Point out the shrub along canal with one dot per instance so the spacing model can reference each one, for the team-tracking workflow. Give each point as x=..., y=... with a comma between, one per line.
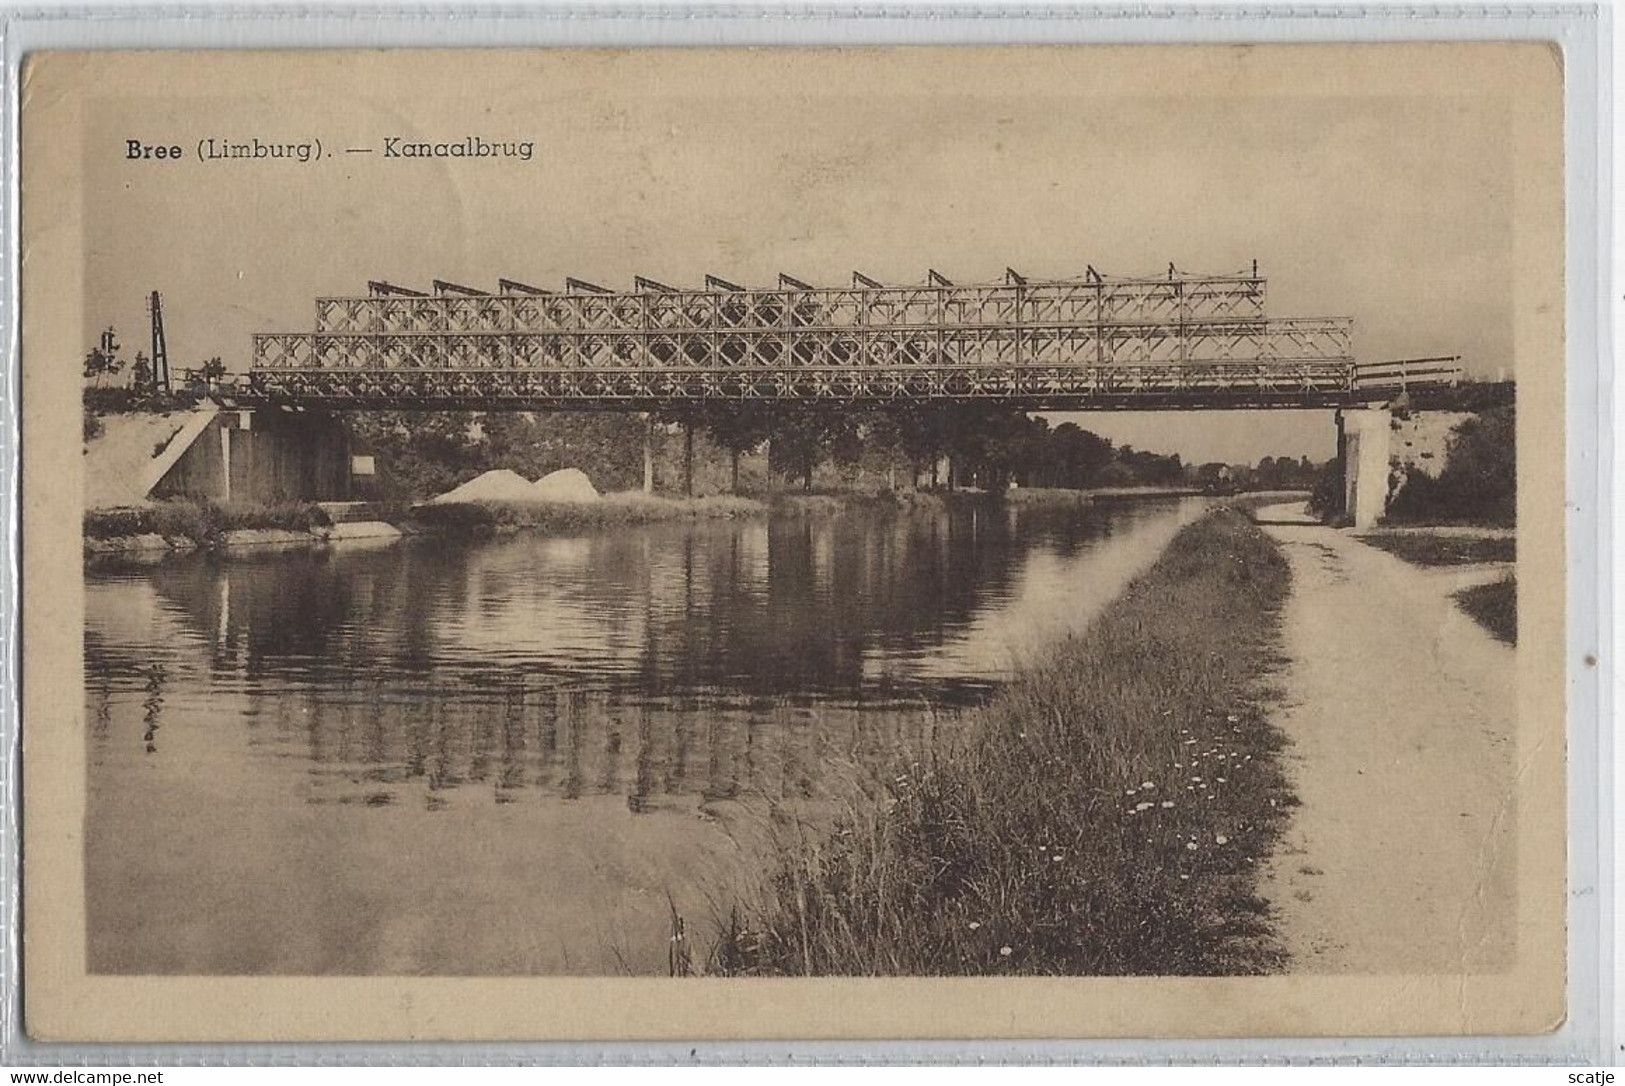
x=518, y=754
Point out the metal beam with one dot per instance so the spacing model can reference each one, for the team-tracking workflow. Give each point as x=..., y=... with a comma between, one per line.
x=1036, y=388
x=442, y=286
x=378, y=288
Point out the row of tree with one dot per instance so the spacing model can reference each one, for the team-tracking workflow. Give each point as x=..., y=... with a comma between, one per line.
x=102, y=365
x=424, y=453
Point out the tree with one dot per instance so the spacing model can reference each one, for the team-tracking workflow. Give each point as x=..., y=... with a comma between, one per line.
x=1480, y=477
x=1074, y=457
x=999, y=444
x=739, y=428
x=606, y=444
x=420, y=453
x=141, y=374
x=923, y=434
x=1478, y=483
x=100, y=364
x=802, y=436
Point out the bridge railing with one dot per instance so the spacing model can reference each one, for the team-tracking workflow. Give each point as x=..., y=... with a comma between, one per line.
x=1402, y=374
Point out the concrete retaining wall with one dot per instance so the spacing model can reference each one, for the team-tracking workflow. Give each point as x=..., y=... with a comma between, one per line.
x=1420, y=439
x=263, y=457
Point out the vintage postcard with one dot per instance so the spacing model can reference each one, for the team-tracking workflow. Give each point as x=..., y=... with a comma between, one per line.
x=1020, y=542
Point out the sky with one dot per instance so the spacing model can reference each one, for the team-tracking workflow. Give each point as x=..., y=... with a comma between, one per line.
x=1360, y=193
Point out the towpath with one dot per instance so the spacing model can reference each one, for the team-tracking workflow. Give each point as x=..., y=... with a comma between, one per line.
x=1399, y=712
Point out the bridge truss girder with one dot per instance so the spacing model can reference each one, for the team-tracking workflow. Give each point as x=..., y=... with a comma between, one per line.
x=1288, y=341
x=1055, y=388
x=1094, y=343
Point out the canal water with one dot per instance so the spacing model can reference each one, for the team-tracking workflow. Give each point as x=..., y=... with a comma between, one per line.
x=518, y=755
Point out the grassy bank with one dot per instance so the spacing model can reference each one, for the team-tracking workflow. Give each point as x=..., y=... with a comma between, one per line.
x=790, y=501
x=823, y=503
x=612, y=510
x=1445, y=550
x=1105, y=814
x=633, y=507
x=204, y=523
x=1493, y=606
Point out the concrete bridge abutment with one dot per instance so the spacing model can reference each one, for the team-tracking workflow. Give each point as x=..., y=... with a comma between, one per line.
x=266, y=456
x=1362, y=452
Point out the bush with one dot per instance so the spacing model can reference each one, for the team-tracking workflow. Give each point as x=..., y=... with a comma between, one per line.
x=288, y=516
x=1479, y=483
x=201, y=521
x=1326, y=497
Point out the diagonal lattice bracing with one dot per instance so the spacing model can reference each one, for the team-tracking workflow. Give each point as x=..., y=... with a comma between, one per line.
x=1175, y=342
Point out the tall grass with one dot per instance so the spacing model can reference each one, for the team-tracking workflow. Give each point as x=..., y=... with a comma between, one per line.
x=1445, y=550
x=1105, y=814
x=1494, y=606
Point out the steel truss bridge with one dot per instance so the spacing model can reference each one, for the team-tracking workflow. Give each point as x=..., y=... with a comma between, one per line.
x=1182, y=341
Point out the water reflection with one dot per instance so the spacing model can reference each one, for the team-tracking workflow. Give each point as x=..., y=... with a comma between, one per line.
x=394, y=728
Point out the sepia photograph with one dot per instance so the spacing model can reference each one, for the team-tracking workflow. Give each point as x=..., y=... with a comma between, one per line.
x=794, y=542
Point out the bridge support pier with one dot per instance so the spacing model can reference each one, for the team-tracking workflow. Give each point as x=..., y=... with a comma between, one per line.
x=688, y=458
x=648, y=453
x=1362, y=451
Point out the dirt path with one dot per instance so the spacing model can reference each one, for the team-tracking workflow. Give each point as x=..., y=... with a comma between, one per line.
x=1400, y=715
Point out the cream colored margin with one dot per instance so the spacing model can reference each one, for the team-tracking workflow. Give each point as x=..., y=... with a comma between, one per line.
x=62, y=1002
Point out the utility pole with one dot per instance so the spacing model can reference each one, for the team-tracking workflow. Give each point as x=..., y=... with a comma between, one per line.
x=160, y=348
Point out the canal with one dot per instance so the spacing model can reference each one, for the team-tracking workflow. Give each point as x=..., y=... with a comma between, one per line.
x=517, y=755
